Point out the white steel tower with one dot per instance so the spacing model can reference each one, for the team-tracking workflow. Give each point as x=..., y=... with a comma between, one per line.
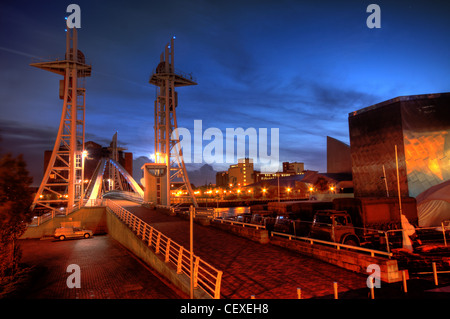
x=167, y=151
x=62, y=185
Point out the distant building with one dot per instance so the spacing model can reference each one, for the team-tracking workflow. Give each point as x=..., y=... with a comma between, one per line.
x=241, y=174
x=339, y=159
x=293, y=168
x=260, y=177
x=95, y=152
x=222, y=179
x=420, y=127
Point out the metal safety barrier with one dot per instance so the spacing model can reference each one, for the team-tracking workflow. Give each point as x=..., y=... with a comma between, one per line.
x=205, y=276
x=338, y=246
x=233, y=222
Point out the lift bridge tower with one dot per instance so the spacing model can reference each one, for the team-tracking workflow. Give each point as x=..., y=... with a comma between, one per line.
x=169, y=167
x=62, y=185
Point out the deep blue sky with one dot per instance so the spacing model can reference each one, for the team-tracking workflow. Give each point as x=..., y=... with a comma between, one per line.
x=300, y=66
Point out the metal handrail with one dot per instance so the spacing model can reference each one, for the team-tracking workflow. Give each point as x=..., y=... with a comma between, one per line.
x=233, y=222
x=205, y=275
x=338, y=246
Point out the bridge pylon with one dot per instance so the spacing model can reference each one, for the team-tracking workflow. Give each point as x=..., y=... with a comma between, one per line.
x=167, y=151
x=63, y=183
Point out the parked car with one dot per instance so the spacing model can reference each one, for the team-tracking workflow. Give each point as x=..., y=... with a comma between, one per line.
x=63, y=233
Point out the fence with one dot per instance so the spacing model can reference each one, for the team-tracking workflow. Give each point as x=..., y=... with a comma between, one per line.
x=233, y=222
x=338, y=246
x=426, y=235
x=205, y=276
x=382, y=240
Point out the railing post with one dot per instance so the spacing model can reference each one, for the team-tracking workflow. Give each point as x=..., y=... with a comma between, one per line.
x=150, y=236
x=387, y=241
x=335, y=288
x=218, y=283
x=167, y=255
x=180, y=260
x=435, y=274
x=157, y=243
x=143, y=231
x=196, y=263
x=405, y=287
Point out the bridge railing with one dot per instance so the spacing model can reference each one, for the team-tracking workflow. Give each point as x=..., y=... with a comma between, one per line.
x=205, y=276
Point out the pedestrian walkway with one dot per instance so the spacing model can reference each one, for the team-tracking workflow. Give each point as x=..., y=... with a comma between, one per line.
x=108, y=271
x=250, y=268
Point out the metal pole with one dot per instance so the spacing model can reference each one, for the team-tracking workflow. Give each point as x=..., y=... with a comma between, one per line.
x=385, y=182
x=398, y=184
x=191, y=245
x=435, y=274
x=299, y=293
x=443, y=233
x=372, y=290
x=335, y=288
x=278, y=188
x=405, y=287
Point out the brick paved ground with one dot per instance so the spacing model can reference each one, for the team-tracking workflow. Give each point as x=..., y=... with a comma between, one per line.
x=108, y=271
x=250, y=268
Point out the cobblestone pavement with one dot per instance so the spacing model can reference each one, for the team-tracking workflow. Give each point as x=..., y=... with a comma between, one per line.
x=250, y=268
x=108, y=271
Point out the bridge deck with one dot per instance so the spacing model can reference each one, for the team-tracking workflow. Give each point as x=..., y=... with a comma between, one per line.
x=250, y=268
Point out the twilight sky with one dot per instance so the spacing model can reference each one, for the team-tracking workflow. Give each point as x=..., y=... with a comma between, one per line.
x=299, y=66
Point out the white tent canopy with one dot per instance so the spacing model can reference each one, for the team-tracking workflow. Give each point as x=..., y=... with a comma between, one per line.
x=433, y=205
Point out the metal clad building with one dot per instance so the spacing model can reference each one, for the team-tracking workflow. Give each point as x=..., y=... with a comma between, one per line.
x=420, y=127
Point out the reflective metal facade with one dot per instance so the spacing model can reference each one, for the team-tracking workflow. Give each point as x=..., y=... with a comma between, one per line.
x=420, y=127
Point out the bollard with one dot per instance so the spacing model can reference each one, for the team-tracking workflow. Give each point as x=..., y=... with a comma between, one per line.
x=435, y=274
x=372, y=289
x=335, y=288
x=405, y=287
x=299, y=293
x=252, y=297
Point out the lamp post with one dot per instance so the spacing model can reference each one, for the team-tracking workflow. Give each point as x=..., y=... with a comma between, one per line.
x=191, y=249
x=278, y=177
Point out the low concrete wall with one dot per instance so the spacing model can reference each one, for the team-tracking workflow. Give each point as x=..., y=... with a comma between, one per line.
x=92, y=218
x=347, y=259
x=120, y=232
x=258, y=235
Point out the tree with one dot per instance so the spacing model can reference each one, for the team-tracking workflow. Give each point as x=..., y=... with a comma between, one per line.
x=15, y=213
